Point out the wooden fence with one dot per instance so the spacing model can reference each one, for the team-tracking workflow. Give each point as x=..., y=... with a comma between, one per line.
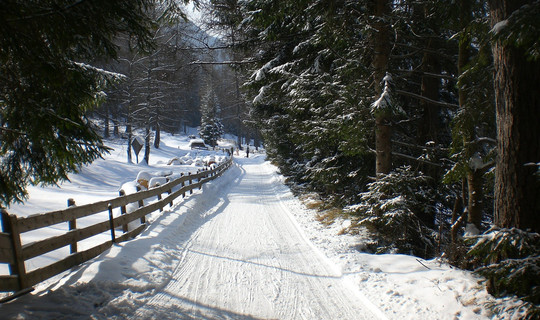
x=14, y=253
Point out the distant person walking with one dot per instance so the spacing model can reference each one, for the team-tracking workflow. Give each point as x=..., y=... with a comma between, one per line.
x=247, y=151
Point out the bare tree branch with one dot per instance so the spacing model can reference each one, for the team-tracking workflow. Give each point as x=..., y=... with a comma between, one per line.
x=199, y=62
x=419, y=97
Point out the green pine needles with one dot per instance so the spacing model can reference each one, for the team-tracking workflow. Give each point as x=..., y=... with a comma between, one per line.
x=400, y=210
x=48, y=83
x=510, y=261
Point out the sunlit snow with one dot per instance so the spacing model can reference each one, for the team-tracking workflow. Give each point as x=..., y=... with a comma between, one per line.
x=241, y=248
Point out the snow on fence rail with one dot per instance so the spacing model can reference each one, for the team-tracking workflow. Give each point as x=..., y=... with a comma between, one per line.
x=14, y=253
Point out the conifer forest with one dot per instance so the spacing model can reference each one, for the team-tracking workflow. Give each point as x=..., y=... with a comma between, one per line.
x=418, y=120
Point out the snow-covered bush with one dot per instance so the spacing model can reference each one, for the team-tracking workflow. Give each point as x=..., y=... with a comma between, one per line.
x=157, y=181
x=400, y=209
x=175, y=162
x=510, y=260
x=142, y=178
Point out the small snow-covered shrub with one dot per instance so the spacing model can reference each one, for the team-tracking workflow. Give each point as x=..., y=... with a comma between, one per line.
x=198, y=162
x=399, y=210
x=510, y=260
x=175, y=162
x=157, y=181
x=143, y=177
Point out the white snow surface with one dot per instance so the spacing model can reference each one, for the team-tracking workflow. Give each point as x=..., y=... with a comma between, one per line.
x=241, y=248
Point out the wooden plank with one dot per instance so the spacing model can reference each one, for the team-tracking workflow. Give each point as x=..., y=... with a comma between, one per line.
x=10, y=226
x=131, y=234
x=9, y=283
x=123, y=211
x=6, y=256
x=72, y=226
x=198, y=175
x=38, y=248
x=111, y=223
x=37, y=221
x=16, y=295
x=137, y=214
x=142, y=211
x=44, y=273
x=12, y=283
x=141, y=204
x=5, y=240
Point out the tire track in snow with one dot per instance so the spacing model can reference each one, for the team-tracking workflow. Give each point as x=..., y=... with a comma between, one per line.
x=246, y=258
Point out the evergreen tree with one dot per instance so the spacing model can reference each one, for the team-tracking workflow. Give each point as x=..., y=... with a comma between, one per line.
x=211, y=128
x=225, y=17
x=47, y=83
x=517, y=79
x=473, y=133
x=381, y=48
x=312, y=93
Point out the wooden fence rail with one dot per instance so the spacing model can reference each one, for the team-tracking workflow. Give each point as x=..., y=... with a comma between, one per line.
x=14, y=253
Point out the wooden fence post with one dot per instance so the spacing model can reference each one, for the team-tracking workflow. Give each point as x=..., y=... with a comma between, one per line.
x=169, y=193
x=159, y=198
x=199, y=180
x=123, y=211
x=111, y=223
x=9, y=225
x=183, y=185
x=141, y=204
x=190, y=183
x=72, y=226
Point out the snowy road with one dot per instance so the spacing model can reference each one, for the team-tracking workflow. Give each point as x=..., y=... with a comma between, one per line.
x=246, y=258
x=233, y=251
x=238, y=250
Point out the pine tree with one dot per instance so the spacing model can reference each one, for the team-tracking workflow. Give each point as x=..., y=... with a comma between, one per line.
x=211, y=128
x=381, y=48
x=47, y=83
x=473, y=133
x=226, y=17
x=517, y=99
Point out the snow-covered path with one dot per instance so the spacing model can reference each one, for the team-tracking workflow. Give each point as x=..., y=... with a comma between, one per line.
x=246, y=248
x=247, y=258
x=233, y=251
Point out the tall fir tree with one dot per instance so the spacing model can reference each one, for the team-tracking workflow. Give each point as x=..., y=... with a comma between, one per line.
x=211, y=128
x=517, y=79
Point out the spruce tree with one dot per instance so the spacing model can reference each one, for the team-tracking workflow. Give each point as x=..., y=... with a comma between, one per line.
x=211, y=128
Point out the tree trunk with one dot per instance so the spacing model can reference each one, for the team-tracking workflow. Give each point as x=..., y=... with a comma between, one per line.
x=430, y=123
x=517, y=99
x=130, y=137
x=239, y=138
x=430, y=87
x=106, y=129
x=475, y=195
x=157, y=138
x=475, y=205
x=116, y=129
x=383, y=133
x=147, y=144
x=381, y=46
